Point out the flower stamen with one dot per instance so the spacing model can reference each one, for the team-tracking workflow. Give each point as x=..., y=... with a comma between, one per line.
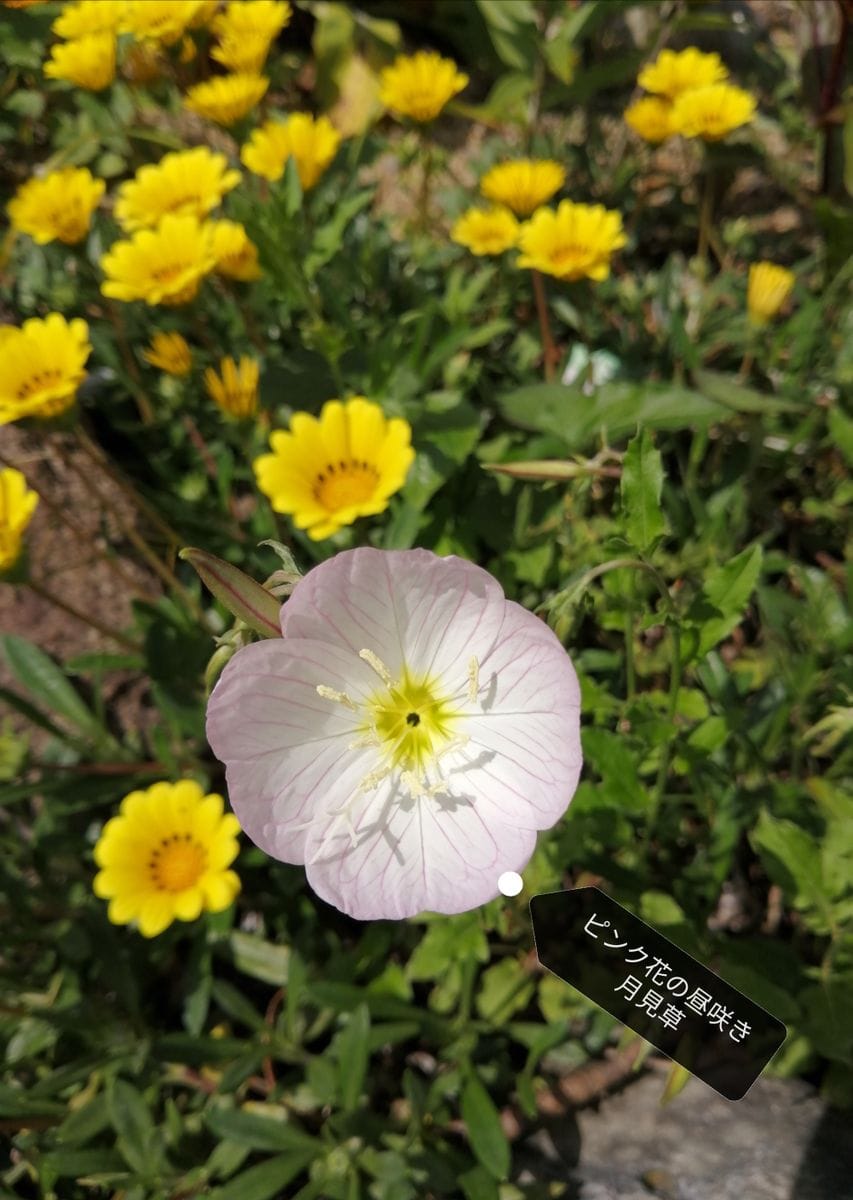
x=373, y=660
x=330, y=693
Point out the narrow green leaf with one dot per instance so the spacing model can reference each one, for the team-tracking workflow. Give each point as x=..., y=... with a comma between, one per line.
x=265, y=1180
x=137, y=1139
x=241, y=595
x=353, y=1056
x=261, y=1133
x=642, y=482
x=482, y=1118
x=46, y=682
x=259, y=959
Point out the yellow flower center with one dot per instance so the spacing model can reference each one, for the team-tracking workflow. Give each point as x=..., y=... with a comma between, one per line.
x=411, y=721
x=40, y=381
x=177, y=863
x=345, y=483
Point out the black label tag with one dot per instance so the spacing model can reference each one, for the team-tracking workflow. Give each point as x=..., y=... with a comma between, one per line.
x=649, y=984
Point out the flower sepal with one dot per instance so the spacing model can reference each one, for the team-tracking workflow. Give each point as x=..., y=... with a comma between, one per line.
x=241, y=595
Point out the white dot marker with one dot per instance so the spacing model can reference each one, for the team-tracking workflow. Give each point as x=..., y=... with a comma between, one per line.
x=510, y=883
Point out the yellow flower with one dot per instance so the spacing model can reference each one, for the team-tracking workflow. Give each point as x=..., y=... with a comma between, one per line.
x=185, y=182
x=651, y=118
x=17, y=505
x=170, y=352
x=486, y=231
x=312, y=143
x=89, y=16
x=242, y=53
x=523, y=185
x=674, y=72
x=325, y=473
x=253, y=19
x=419, y=85
x=768, y=288
x=160, y=20
x=575, y=241
x=57, y=206
x=235, y=388
x=236, y=254
x=160, y=266
x=88, y=62
x=712, y=112
x=166, y=856
x=41, y=366
x=227, y=98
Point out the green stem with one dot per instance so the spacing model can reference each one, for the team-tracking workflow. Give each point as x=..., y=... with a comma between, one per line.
x=630, y=671
x=550, y=353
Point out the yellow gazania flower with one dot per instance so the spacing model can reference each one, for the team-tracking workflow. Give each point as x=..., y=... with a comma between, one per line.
x=252, y=19
x=160, y=266
x=17, y=505
x=676, y=71
x=89, y=16
x=419, y=85
x=227, y=98
x=57, y=206
x=236, y=254
x=575, y=241
x=325, y=473
x=169, y=352
x=166, y=856
x=712, y=112
x=651, y=118
x=41, y=366
x=87, y=62
x=312, y=143
x=486, y=231
x=235, y=388
x=159, y=20
x=185, y=182
x=768, y=288
x=523, y=185
x=247, y=54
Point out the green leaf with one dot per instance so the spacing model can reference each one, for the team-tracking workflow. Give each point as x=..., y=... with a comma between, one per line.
x=47, y=683
x=505, y=989
x=482, y=1118
x=841, y=431
x=241, y=595
x=259, y=959
x=66, y=1164
x=260, y=1132
x=478, y=1184
x=234, y=1003
x=265, y=1180
x=642, y=482
x=793, y=860
x=728, y=391
x=727, y=591
x=137, y=1138
x=617, y=408
x=353, y=1053
x=452, y=940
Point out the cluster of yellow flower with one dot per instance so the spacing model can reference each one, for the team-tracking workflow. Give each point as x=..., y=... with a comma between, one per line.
x=689, y=97
x=91, y=28
x=575, y=241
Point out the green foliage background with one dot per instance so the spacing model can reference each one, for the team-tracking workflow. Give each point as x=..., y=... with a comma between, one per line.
x=700, y=582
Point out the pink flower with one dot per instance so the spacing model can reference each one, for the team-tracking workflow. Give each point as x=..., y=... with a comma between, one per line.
x=406, y=738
